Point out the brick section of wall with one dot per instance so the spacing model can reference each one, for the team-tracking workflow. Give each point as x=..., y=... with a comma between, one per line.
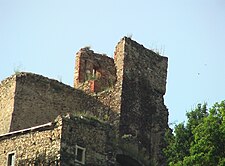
x=143, y=113
x=39, y=100
x=96, y=137
x=110, y=96
x=39, y=146
x=7, y=89
x=93, y=72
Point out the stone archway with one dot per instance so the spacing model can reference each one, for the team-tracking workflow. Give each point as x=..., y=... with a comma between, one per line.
x=125, y=160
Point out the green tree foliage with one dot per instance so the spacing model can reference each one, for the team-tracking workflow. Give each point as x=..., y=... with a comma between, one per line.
x=201, y=141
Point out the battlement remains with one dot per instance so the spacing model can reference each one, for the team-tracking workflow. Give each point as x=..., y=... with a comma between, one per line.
x=93, y=72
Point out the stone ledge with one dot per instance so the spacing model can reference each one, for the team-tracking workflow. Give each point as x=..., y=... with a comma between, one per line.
x=35, y=128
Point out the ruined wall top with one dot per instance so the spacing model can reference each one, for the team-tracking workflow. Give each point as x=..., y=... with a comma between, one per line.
x=93, y=72
x=137, y=89
x=96, y=72
x=42, y=100
x=146, y=65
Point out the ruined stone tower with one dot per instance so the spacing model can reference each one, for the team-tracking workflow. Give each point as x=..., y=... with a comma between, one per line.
x=136, y=78
x=114, y=116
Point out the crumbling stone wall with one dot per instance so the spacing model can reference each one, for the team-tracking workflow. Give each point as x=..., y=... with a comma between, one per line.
x=127, y=92
x=55, y=143
x=137, y=96
x=93, y=72
x=105, y=83
x=7, y=89
x=96, y=137
x=108, y=94
x=34, y=146
x=143, y=113
x=34, y=100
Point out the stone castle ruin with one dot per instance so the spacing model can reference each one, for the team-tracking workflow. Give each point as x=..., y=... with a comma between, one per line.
x=114, y=115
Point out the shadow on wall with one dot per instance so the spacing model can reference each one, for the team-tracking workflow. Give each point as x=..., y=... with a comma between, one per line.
x=125, y=160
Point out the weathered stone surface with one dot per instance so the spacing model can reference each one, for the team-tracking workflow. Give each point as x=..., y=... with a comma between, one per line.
x=95, y=136
x=137, y=94
x=55, y=143
x=98, y=70
x=126, y=92
x=33, y=146
x=7, y=89
x=30, y=100
x=143, y=113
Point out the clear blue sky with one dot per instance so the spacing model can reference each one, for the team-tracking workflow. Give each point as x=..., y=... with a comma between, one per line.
x=42, y=36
